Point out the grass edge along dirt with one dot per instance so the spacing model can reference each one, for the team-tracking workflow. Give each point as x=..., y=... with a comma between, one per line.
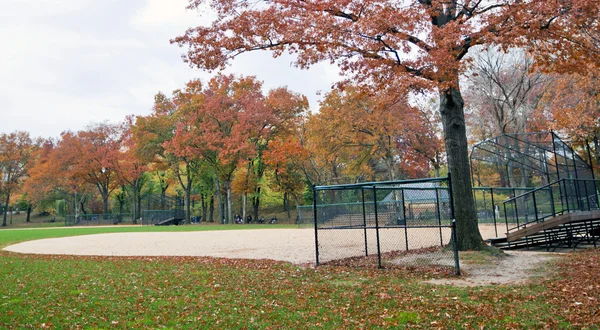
x=13, y=236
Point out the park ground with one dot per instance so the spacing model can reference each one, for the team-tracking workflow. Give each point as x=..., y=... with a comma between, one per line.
x=102, y=292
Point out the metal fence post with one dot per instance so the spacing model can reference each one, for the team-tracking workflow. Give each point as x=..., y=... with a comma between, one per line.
x=517, y=213
x=494, y=211
x=316, y=223
x=405, y=221
x=553, y=208
x=364, y=220
x=439, y=215
x=535, y=210
x=587, y=196
x=377, y=227
x=455, y=246
x=505, y=217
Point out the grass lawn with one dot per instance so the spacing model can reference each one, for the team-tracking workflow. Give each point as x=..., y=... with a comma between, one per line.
x=63, y=292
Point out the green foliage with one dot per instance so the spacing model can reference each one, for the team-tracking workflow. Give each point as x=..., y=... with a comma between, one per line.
x=61, y=207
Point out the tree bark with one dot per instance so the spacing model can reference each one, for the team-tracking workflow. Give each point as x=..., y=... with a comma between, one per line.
x=203, y=201
x=256, y=202
x=297, y=201
x=211, y=209
x=134, y=210
x=105, y=203
x=28, y=214
x=244, y=199
x=188, y=197
x=229, y=202
x=221, y=212
x=455, y=138
x=5, y=210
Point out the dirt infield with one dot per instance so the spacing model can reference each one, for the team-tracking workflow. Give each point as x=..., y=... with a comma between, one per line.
x=292, y=245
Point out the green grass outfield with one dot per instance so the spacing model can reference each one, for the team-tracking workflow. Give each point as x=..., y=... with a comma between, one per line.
x=65, y=292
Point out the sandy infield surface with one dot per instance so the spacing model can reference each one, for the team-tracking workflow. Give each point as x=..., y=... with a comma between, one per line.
x=295, y=245
x=291, y=245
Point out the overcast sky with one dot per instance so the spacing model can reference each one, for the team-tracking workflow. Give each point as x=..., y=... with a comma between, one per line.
x=67, y=63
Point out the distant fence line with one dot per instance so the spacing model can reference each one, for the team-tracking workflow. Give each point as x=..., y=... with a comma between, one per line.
x=98, y=219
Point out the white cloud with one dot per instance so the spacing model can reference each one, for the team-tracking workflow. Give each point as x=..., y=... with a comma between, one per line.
x=160, y=13
x=65, y=64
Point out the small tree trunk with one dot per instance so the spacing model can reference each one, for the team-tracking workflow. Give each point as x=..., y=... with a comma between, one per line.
x=219, y=200
x=134, y=207
x=229, y=202
x=244, y=198
x=188, y=196
x=203, y=201
x=105, y=203
x=138, y=213
x=28, y=214
x=5, y=210
x=211, y=209
x=256, y=202
x=297, y=201
x=287, y=204
x=455, y=136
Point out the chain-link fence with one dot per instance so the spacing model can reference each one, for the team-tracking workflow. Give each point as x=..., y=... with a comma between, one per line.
x=488, y=203
x=98, y=219
x=162, y=210
x=402, y=222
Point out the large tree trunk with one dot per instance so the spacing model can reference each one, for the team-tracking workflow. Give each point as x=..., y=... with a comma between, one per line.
x=455, y=137
x=5, y=210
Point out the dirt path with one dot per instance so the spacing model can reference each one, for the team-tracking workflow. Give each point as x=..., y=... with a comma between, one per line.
x=516, y=267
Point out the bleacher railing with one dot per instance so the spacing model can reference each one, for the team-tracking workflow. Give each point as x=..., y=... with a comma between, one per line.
x=556, y=198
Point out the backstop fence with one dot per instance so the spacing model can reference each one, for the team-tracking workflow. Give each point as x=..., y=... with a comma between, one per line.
x=408, y=223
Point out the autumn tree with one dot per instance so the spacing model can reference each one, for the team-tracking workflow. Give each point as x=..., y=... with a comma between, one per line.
x=285, y=157
x=279, y=118
x=92, y=156
x=132, y=169
x=220, y=119
x=375, y=131
x=150, y=134
x=17, y=152
x=572, y=104
x=43, y=185
x=414, y=44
